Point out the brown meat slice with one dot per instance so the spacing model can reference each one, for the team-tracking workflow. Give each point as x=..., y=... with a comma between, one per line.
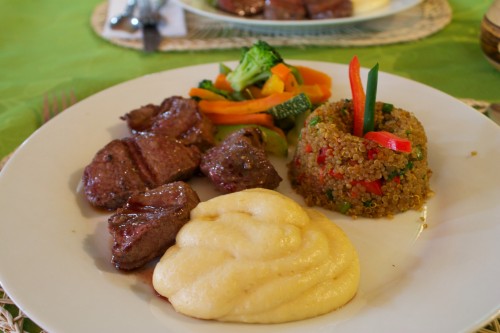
x=285, y=10
x=147, y=225
x=167, y=160
x=325, y=9
x=176, y=117
x=241, y=7
x=240, y=162
x=141, y=119
x=136, y=163
x=112, y=176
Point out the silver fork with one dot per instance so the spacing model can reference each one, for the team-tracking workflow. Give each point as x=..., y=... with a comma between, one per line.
x=54, y=104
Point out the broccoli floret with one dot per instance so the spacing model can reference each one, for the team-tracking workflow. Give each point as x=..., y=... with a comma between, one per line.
x=209, y=85
x=254, y=66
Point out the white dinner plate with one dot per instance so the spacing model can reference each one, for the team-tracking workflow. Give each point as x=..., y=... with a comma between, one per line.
x=436, y=270
x=203, y=8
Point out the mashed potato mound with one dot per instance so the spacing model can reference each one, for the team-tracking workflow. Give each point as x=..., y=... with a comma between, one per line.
x=257, y=256
x=366, y=6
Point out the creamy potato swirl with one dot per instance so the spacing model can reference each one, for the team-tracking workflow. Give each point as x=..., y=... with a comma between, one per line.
x=365, y=6
x=257, y=256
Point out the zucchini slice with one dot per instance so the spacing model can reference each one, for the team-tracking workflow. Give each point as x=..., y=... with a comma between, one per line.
x=292, y=107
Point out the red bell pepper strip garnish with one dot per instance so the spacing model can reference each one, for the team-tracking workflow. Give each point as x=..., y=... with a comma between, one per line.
x=358, y=96
x=390, y=141
x=374, y=186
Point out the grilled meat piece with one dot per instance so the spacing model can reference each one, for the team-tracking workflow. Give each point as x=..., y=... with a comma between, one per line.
x=240, y=162
x=141, y=119
x=325, y=9
x=167, y=160
x=175, y=117
x=285, y=10
x=135, y=163
x=241, y=7
x=148, y=223
x=112, y=176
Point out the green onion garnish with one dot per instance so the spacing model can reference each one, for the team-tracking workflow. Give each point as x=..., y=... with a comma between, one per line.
x=371, y=98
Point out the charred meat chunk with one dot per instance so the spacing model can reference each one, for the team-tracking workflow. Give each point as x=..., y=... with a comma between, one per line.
x=325, y=9
x=241, y=7
x=175, y=117
x=240, y=162
x=141, y=119
x=136, y=163
x=167, y=160
x=148, y=223
x=112, y=176
x=285, y=10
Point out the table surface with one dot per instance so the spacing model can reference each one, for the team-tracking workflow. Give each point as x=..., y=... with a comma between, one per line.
x=49, y=47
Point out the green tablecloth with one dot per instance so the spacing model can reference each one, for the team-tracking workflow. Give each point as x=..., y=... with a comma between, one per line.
x=49, y=46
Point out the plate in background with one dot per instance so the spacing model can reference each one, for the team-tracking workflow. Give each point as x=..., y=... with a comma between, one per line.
x=203, y=8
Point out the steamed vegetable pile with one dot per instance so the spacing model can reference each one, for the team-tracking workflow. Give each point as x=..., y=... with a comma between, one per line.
x=264, y=91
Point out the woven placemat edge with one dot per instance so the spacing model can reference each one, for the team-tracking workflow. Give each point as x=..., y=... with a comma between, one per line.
x=437, y=14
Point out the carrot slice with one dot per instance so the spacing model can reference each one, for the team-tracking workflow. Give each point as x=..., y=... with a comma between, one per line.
x=281, y=70
x=205, y=94
x=263, y=119
x=316, y=93
x=221, y=82
x=254, y=92
x=312, y=76
x=244, y=107
x=291, y=84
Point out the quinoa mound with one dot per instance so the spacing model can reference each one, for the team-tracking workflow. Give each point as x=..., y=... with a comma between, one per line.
x=336, y=170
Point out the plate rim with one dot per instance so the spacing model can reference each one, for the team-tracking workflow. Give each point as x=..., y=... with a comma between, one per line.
x=200, y=7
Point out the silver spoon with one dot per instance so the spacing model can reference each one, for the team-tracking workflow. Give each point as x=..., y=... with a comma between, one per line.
x=126, y=21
